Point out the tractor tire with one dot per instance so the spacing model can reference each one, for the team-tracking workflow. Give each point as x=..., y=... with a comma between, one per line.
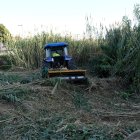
x=44, y=69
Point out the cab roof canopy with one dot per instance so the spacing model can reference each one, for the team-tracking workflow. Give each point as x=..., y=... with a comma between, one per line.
x=55, y=45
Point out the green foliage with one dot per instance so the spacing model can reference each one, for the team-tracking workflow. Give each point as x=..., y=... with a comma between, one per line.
x=14, y=94
x=125, y=95
x=9, y=78
x=51, y=129
x=5, y=62
x=31, y=77
x=80, y=101
x=4, y=34
x=120, y=53
x=100, y=66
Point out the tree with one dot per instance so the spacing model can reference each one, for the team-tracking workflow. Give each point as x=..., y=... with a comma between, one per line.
x=4, y=34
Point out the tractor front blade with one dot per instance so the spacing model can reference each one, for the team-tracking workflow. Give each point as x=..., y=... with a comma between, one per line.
x=69, y=75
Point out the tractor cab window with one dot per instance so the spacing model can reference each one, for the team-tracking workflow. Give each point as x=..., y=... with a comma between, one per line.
x=58, y=58
x=56, y=53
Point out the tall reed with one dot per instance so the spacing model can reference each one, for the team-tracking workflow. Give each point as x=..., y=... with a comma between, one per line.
x=29, y=52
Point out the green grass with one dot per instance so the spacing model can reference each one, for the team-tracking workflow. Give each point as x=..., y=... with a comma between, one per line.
x=80, y=101
x=11, y=78
x=14, y=94
x=54, y=128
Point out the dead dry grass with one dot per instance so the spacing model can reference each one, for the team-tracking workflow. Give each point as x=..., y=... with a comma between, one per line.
x=68, y=109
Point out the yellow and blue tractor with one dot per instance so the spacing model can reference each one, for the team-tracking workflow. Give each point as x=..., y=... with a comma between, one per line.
x=59, y=64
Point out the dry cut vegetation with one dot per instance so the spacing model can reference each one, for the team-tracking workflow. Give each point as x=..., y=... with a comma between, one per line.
x=34, y=108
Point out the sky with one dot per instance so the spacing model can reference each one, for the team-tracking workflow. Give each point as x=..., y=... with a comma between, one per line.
x=24, y=17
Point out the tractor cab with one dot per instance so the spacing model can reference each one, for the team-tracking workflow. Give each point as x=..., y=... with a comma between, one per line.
x=57, y=54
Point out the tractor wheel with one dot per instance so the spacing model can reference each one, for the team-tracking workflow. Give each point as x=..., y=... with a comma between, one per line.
x=45, y=68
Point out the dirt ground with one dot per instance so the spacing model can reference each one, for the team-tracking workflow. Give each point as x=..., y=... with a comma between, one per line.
x=28, y=103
